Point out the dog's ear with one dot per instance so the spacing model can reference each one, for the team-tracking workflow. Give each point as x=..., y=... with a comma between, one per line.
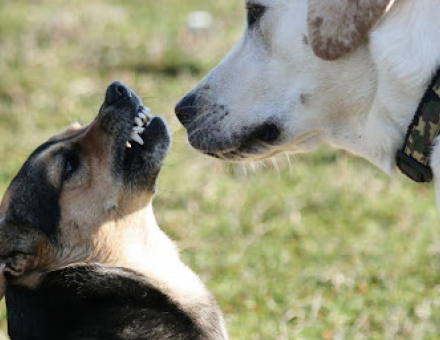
x=2, y=280
x=14, y=267
x=336, y=27
x=71, y=129
x=23, y=251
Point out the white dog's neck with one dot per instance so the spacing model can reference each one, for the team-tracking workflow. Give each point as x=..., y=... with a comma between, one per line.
x=405, y=52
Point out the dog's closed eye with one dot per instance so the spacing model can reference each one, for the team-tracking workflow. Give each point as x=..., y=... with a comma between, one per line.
x=71, y=164
x=254, y=13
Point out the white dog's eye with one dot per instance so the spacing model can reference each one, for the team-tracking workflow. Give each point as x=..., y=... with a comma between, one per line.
x=254, y=13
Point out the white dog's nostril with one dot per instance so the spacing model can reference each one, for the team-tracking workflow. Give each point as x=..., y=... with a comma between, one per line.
x=186, y=110
x=268, y=133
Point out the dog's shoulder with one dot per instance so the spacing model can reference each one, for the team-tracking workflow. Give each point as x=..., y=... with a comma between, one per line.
x=95, y=302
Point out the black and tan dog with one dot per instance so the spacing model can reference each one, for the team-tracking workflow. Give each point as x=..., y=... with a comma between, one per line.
x=81, y=255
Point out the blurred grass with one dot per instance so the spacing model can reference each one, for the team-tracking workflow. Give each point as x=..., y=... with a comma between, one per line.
x=329, y=249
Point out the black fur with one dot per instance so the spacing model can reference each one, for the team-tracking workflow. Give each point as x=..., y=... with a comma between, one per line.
x=95, y=302
x=33, y=186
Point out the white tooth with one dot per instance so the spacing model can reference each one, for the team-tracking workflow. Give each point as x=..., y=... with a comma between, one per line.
x=136, y=138
x=128, y=144
x=142, y=115
x=138, y=121
x=138, y=129
x=146, y=111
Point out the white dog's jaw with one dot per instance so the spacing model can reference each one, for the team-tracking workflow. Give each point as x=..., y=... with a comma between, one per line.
x=362, y=102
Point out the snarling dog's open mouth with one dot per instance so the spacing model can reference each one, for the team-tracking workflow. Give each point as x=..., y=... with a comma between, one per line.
x=141, y=141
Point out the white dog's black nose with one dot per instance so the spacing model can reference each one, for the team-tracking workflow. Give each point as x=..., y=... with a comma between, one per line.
x=116, y=91
x=186, y=110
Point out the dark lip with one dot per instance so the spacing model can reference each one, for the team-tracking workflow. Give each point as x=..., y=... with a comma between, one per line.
x=139, y=165
x=238, y=154
x=149, y=137
x=254, y=142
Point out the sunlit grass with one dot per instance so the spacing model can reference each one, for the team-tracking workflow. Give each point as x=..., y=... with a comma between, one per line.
x=329, y=249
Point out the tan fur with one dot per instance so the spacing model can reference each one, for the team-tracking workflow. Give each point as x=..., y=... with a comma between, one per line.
x=24, y=252
x=101, y=223
x=83, y=211
x=337, y=27
x=71, y=129
x=4, y=203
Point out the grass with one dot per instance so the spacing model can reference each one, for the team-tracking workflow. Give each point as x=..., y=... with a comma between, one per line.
x=329, y=249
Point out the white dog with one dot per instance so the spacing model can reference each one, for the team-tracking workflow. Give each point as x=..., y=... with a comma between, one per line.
x=350, y=73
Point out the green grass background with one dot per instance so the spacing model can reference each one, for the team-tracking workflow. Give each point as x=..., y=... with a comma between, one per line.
x=329, y=248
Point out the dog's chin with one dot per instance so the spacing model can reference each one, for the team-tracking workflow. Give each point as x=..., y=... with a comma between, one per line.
x=245, y=153
x=253, y=143
x=142, y=163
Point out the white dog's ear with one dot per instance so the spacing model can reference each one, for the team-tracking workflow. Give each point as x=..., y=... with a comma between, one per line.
x=336, y=27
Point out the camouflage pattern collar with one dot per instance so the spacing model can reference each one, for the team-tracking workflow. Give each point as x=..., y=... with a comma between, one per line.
x=413, y=158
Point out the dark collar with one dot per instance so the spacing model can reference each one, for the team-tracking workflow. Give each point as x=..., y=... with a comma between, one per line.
x=413, y=158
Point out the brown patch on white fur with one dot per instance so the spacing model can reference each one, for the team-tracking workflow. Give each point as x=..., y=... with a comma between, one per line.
x=336, y=27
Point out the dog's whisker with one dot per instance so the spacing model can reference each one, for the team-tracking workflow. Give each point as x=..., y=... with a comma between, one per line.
x=289, y=162
x=245, y=170
x=275, y=165
x=263, y=163
x=167, y=191
x=252, y=165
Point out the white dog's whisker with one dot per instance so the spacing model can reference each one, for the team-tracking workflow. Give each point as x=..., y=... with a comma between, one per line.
x=263, y=164
x=252, y=165
x=289, y=162
x=245, y=170
x=275, y=165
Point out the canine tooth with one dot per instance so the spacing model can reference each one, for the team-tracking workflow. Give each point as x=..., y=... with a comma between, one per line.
x=138, y=121
x=142, y=115
x=136, y=138
x=128, y=144
x=146, y=112
x=138, y=129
